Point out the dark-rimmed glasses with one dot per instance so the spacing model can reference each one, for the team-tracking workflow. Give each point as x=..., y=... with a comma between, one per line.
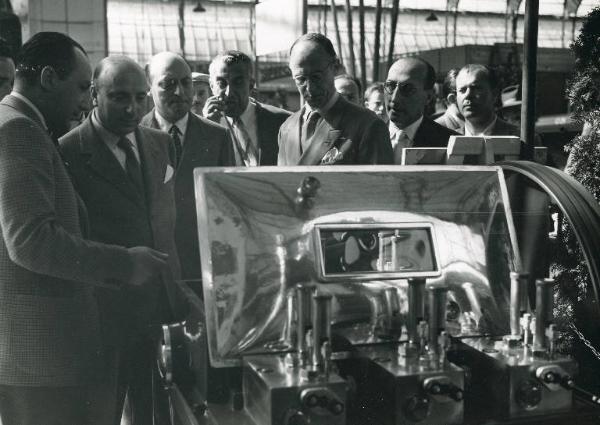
x=405, y=89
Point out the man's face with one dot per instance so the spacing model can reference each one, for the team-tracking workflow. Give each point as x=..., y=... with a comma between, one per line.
x=201, y=93
x=348, y=89
x=474, y=96
x=71, y=96
x=232, y=83
x=407, y=96
x=376, y=103
x=312, y=71
x=7, y=76
x=172, y=89
x=120, y=95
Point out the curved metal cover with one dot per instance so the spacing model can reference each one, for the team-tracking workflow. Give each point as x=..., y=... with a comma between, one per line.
x=257, y=241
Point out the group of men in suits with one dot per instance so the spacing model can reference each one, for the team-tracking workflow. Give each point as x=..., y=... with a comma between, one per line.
x=97, y=225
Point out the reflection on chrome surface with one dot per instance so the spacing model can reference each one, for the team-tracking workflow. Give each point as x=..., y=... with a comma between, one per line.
x=257, y=244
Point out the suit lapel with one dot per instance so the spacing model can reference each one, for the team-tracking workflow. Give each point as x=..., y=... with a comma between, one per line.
x=149, y=156
x=261, y=125
x=103, y=163
x=324, y=136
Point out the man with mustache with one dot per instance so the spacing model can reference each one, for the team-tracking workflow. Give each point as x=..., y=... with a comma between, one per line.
x=327, y=129
x=197, y=142
x=123, y=173
x=253, y=126
x=409, y=87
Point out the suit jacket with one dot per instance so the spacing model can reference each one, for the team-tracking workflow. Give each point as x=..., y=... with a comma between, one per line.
x=206, y=144
x=432, y=135
x=268, y=121
x=48, y=316
x=450, y=120
x=347, y=134
x=120, y=215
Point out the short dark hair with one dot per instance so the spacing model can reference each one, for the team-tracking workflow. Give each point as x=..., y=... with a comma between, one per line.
x=5, y=49
x=46, y=49
x=449, y=85
x=319, y=39
x=232, y=57
x=375, y=87
x=490, y=74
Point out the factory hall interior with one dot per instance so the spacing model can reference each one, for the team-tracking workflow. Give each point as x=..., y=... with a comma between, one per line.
x=299, y=212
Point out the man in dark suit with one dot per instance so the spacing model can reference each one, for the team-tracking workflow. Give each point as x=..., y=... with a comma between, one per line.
x=123, y=173
x=409, y=86
x=48, y=316
x=253, y=126
x=328, y=129
x=202, y=143
x=477, y=90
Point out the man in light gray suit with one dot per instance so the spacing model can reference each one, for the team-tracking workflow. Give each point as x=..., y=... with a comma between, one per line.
x=48, y=317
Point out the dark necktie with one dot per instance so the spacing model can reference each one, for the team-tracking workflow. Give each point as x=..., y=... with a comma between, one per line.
x=177, y=148
x=132, y=166
x=308, y=129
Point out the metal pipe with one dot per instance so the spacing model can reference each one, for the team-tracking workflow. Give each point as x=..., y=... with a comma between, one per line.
x=303, y=315
x=437, y=314
x=392, y=309
x=530, y=40
x=543, y=311
x=518, y=289
x=416, y=307
x=321, y=320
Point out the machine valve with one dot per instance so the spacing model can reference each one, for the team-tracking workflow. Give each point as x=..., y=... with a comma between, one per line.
x=442, y=389
x=321, y=401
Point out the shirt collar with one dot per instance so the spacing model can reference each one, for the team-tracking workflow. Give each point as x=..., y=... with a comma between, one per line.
x=165, y=125
x=410, y=131
x=110, y=138
x=486, y=131
x=28, y=102
x=322, y=111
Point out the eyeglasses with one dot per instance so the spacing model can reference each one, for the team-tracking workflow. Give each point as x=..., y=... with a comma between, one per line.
x=405, y=89
x=315, y=78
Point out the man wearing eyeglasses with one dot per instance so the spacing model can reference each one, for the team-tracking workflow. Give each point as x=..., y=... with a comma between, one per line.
x=327, y=129
x=253, y=126
x=196, y=142
x=409, y=87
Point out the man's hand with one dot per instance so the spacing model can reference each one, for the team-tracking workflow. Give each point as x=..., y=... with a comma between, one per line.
x=213, y=108
x=148, y=265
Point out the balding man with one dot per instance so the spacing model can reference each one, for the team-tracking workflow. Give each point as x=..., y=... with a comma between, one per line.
x=124, y=175
x=328, y=129
x=409, y=87
x=200, y=142
x=348, y=87
x=7, y=69
x=49, y=326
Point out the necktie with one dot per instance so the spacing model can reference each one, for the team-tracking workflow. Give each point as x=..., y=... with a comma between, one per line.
x=244, y=144
x=402, y=142
x=308, y=129
x=132, y=166
x=176, y=147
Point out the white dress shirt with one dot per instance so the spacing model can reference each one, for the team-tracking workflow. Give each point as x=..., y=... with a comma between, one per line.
x=166, y=125
x=111, y=140
x=248, y=118
x=486, y=131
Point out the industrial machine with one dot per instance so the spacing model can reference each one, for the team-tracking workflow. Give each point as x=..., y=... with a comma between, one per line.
x=375, y=295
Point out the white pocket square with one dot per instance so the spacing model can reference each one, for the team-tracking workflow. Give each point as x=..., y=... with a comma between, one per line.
x=169, y=173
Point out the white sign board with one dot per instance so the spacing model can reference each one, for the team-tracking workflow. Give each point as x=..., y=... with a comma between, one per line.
x=278, y=24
